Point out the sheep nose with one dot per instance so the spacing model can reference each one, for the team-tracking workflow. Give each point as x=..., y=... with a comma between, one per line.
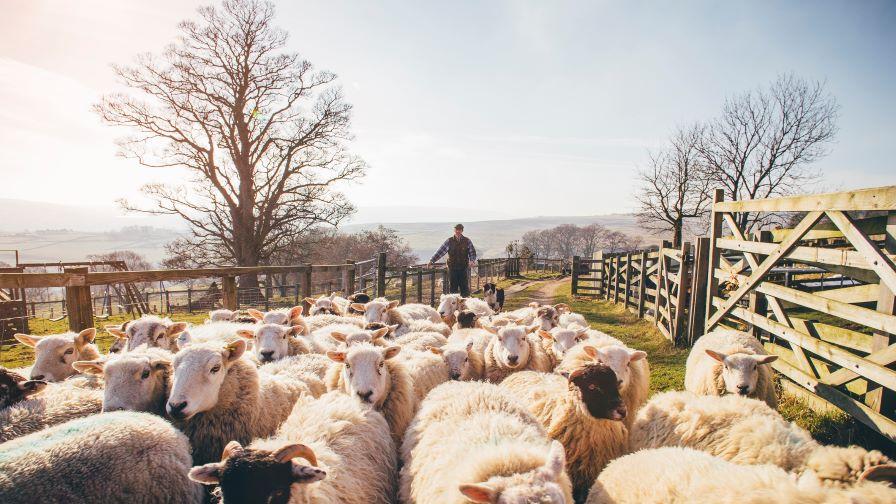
x=267, y=355
x=365, y=396
x=455, y=376
x=112, y=408
x=513, y=359
x=37, y=377
x=177, y=410
x=743, y=389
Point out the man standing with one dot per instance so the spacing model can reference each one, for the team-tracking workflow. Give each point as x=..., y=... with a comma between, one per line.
x=461, y=257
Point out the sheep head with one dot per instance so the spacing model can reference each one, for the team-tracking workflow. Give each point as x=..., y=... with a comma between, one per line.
x=740, y=371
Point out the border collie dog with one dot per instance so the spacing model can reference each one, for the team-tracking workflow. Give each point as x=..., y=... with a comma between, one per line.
x=494, y=297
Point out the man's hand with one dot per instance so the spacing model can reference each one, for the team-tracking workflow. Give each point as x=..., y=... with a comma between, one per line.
x=430, y=264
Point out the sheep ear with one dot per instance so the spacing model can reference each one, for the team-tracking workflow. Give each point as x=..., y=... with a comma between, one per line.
x=338, y=336
x=532, y=328
x=358, y=307
x=545, y=335
x=89, y=366
x=235, y=350
x=292, y=451
x=245, y=333
x=303, y=474
x=479, y=493
x=390, y=352
x=159, y=364
x=28, y=340
x=208, y=474
x=85, y=337
x=581, y=330
x=573, y=375
x=297, y=329
x=296, y=311
x=533, y=304
x=885, y=473
x=174, y=329
x=336, y=356
x=257, y=315
x=637, y=355
x=230, y=449
x=184, y=339
x=765, y=359
x=555, y=462
x=716, y=355
x=590, y=351
x=31, y=387
x=394, y=327
x=562, y=308
x=118, y=333
x=435, y=350
x=380, y=333
x=392, y=305
x=311, y=301
x=491, y=329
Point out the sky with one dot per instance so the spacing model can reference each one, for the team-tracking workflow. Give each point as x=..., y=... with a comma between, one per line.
x=492, y=109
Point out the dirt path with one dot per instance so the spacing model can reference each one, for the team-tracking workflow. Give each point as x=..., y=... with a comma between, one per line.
x=545, y=293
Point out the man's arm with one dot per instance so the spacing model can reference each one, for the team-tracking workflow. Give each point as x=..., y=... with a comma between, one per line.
x=472, y=253
x=439, y=253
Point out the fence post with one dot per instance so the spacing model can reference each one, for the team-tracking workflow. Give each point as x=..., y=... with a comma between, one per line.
x=715, y=232
x=189, y=300
x=381, y=274
x=432, y=287
x=642, y=284
x=445, y=279
x=882, y=399
x=228, y=290
x=348, y=278
x=79, y=303
x=628, y=279
x=757, y=302
x=698, y=290
x=419, y=285
x=682, y=297
x=575, y=275
x=404, y=285
x=616, y=278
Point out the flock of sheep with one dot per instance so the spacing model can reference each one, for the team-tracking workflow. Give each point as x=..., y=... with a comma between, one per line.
x=366, y=401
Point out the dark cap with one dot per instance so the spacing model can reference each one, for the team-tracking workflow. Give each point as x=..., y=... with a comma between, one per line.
x=459, y=226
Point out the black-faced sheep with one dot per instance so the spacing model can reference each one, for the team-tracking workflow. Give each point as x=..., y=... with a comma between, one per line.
x=15, y=388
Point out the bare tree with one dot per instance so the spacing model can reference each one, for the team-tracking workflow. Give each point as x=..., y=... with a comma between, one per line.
x=764, y=141
x=263, y=134
x=675, y=188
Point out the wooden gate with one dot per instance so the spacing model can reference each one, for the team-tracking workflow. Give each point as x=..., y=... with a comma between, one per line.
x=835, y=338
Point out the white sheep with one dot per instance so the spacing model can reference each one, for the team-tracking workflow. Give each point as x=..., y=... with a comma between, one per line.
x=421, y=325
x=744, y=431
x=729, y=361
x=582, y=410
x=54, y=354
x=274, y=341
x=420, y=340
x=374, y=376
x=568, y=319
x=349, y=335
x=314, y=365
x=216, y=396
x=148, y=330
x=320, y=321
x=426, y=369
x=559, y=340
x=474, y=442
x=332, y=305
x=222, y=315
x=110, y=457
x=57, y=403
x=139, y=380
x=463, y=362
x=513, y=349
x=450, y=304
x=283, y=316
x=686, y=476
x=332, y=450
x=388, y=312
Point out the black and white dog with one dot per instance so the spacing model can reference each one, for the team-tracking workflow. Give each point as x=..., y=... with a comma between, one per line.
x=493, y=296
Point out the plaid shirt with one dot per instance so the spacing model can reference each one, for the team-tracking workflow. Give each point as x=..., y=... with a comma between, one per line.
x=444, y=250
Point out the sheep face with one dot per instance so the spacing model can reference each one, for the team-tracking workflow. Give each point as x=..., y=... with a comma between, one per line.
x=222, y=315
x=54, y=355
x=618, y=358
x=324, y=305
x=596, y=387
x=271, y=341
x=562, y=340
x=541, y=485
x=512, y=348
x=15, y=388
x=547, y=317
x=740, y=371
x=448, y=304
x=354, y=338
x=364, y=372
x=466, y=319
x=151, y=331
x=134, y=381
x=281, y=317
x=457, y=358
x=375, y=311
x=376, y=326
x=199, y=371
x=247, y=475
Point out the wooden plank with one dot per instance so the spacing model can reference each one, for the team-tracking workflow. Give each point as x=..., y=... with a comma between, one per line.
x=884, y=357
x=714, y=256
x=878, y=198
x=642, y=285
x=852, y=295
x=833, y=334
x=880, y=399
x=878, y=261
x=228, y=292
x=814, y=255
x=628, y=279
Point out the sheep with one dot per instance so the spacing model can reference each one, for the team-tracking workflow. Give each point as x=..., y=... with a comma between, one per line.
x=221, y=332
x=424, y=325
x=473, y=442
x=15, y=388
x=357, y=298
x=300, y=365
x=420, y=340
x=275, y=342
x=583, y=410
x=548, y=317
x=744, y=431
x=630, y=366
x=520, y=316
x=372, y=375
x=283, y=316
x=322, y=341
x=57, y=403
x=729, y=361
x=148, y=330
x=463, y=362
x=559, y=340
x=222, y=315
x=216, y=396
x=512, y=350
x=494, y=296
x=352, y=336
x=388, y=312
x=320, y=321
x=568, y=319
x=135, y=381
x=332, y=305
x=449, y=304
x=426, y=369
x=54, y=354
x=346, y=447
x=466, y=319
x=111, y=457
x=683, y=475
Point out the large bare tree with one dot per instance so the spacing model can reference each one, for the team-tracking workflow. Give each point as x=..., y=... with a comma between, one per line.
x=263, y=135
x=763, y=143
x=675, y=188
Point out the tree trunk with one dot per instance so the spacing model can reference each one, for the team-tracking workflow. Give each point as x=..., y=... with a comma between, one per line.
x=676, y=234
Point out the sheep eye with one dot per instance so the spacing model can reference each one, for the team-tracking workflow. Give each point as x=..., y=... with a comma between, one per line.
x=592, y=386
x=284, y=336
x=216, y=369
x=70, y=351
x=348, y=366
x=466, y=359
x=145, y=374
x=382, y=364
